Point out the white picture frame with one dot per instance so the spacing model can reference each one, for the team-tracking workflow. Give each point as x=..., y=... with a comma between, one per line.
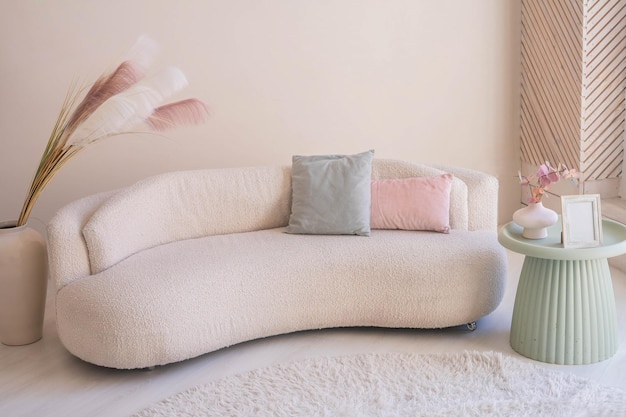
x=582, y=221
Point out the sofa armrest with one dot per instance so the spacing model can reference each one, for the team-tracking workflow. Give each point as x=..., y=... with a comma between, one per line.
x=68, y=257
x=482, y=196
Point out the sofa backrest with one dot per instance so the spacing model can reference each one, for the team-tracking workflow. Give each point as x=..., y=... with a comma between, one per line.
x=191, y=204
x=186, y=205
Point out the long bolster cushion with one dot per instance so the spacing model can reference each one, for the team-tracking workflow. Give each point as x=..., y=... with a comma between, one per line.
x=186, y=298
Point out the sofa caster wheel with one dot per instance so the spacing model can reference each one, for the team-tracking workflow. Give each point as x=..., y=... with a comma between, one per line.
x=472, y=326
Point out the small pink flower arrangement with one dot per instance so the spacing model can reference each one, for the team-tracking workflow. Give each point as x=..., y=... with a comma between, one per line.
x=545, y=176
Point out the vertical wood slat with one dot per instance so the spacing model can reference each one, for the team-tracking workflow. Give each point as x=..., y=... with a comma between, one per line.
x=573, y=60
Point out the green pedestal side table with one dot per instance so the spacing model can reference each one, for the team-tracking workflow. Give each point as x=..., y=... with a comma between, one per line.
x=564, y=309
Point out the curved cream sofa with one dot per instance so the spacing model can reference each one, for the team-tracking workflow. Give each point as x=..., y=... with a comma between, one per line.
x=189, y=262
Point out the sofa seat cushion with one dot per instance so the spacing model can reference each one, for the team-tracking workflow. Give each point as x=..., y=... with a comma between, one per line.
x=186, y=298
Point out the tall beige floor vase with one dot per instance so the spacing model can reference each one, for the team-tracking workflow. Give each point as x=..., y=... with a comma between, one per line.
x=23, y=284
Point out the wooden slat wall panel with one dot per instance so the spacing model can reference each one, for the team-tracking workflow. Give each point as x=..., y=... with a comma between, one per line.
x=551, y=81
x=604, y=82
x=573, y=83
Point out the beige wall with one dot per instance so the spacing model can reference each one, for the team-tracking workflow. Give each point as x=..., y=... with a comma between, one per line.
x=421, y=80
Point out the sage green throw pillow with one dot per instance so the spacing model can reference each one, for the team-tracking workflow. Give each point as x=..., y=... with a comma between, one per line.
x=331, y=194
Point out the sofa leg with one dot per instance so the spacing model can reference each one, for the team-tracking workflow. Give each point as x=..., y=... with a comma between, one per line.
x=472, y=326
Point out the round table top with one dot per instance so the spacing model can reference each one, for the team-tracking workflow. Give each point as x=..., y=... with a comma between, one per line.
x=613, y=242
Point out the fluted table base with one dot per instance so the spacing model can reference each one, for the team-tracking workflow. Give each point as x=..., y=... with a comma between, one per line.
x=565, y=311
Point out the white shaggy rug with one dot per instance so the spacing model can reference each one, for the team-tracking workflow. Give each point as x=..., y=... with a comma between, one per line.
x=468, y=384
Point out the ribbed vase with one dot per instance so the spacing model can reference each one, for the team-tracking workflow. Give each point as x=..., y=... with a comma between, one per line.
x=23, y=284
x=565, y=312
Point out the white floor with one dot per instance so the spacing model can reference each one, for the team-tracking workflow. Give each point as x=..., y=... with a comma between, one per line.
x=42, y=379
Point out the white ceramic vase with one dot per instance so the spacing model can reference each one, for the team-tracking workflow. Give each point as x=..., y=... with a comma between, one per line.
x=23, y=284
x=535, y=219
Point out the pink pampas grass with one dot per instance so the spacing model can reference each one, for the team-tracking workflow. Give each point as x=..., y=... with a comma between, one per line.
x=115, y=104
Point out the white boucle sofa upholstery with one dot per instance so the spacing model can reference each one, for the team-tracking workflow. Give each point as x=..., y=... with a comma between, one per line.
x=189, y=262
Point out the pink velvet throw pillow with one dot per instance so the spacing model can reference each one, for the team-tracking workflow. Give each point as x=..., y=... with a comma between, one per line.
x=420, y=203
